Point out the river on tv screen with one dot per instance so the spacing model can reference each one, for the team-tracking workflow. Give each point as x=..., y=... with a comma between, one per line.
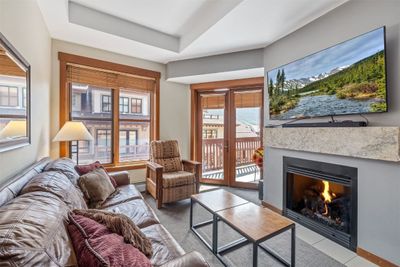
x=348, y=78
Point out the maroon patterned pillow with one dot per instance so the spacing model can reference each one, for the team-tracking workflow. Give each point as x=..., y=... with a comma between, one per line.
x=95, y=245
x=84, y=169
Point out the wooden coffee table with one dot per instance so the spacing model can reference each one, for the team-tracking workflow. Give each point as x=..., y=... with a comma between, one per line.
x=213, y=201
x=257, y=224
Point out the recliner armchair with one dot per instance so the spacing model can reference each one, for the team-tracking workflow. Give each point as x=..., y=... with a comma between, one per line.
x=168, y=178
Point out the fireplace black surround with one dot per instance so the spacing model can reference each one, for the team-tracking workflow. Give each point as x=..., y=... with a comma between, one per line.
x=322, y=197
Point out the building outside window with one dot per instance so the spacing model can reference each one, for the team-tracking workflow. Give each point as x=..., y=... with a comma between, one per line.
x=124, y=105
x=136, y=105
x=24, y=97
x=210, y=133
x=106, y=103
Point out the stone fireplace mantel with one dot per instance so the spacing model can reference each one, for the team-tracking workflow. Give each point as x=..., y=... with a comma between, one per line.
x=378, y=143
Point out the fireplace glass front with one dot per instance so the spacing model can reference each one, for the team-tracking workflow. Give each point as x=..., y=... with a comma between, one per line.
x=322, y=197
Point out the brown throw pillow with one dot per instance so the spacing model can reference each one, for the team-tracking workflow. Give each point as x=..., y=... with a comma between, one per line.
x=96, y=187
x=84, y=169
x=122, y=225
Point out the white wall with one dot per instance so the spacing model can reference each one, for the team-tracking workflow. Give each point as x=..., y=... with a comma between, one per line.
x=174, y=98
x=378, y=181
x=22, y=24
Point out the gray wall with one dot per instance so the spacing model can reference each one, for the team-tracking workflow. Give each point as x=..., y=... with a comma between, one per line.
x=378, y=181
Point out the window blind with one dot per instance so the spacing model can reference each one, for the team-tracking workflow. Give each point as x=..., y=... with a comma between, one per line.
x=107, y=79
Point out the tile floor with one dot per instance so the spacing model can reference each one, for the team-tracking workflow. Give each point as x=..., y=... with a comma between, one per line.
x=336, y=251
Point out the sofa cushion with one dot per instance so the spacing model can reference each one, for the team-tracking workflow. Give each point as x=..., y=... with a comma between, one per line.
x=58, y=184
x=84, y=169
x=124, y=194
x=96, y=245
x=32, y=231
x=179, y=178
x=96, y=187
x=66, y=166
x=165, y=248
x=137, y=210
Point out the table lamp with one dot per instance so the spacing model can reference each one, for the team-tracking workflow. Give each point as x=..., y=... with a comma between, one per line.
x=73, y=131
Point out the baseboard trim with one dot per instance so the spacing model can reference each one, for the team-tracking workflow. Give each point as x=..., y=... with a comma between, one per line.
x=374, y=258
x=271, y=207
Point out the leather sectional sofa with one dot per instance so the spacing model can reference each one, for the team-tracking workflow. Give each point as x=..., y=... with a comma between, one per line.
x=33, y=211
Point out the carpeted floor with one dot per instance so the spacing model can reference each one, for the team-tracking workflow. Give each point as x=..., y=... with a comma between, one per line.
x=175, y=217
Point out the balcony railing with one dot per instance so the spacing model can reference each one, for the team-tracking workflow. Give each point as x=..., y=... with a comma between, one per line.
x=213, y=150
x=103, y=153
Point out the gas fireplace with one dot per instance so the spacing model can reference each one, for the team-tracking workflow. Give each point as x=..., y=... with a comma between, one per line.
x=322, y=197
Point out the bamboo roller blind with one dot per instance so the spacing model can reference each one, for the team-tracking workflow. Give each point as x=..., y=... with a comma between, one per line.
x=248, y=99
x=106, y=79
x=242, y=100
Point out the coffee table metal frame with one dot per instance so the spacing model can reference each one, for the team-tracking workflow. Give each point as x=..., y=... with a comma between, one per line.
x=219, y=251
x=214, y=221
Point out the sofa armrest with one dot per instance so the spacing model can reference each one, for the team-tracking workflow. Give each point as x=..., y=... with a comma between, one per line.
x=122, y=177
x=192, y=259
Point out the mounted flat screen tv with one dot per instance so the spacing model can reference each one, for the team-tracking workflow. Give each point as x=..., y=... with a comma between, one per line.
x=348, y=78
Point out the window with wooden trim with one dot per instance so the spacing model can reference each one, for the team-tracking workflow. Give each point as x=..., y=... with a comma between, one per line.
x=136, y=105
x=100, y=98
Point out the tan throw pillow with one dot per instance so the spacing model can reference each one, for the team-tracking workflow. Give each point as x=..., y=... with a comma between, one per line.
x=96, y=187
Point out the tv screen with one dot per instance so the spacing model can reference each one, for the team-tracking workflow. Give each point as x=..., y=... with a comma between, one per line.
x=348, y=78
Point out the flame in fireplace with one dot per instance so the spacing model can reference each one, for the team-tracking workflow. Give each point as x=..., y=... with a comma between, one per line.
x=327, y=196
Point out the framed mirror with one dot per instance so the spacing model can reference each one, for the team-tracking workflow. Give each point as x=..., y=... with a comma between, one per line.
x=14, y=98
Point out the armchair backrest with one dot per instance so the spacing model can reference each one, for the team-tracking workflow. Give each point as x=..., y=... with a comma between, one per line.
x=166, y=153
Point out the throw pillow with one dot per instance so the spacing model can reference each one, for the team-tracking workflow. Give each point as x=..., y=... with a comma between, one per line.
x=96, y=187
x=96, y=245
x=122, y=225
x=84, y=169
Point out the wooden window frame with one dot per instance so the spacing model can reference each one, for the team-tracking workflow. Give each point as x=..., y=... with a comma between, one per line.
x=152, y=77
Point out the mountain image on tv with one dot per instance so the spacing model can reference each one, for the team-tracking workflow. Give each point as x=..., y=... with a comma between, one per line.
x=349, y=78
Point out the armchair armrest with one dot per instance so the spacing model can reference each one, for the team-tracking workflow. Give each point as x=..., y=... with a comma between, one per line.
x=122, y=177
x=195, y=168
x=192, y=259
x=190, y=162
x=154, y=166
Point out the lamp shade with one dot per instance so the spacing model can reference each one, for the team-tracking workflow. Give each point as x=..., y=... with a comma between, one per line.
x=73, y=131
x=14, y=129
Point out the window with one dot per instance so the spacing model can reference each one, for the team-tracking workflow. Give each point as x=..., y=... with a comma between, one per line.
x=210, y=133
x=124, y=104
x=136, y=105
x=98, y=122
x=120, y=110
x=106, y=103
x=128, y=141
x=8, y=96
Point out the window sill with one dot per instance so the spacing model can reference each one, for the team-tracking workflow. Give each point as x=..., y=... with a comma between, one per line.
x=126, y=167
